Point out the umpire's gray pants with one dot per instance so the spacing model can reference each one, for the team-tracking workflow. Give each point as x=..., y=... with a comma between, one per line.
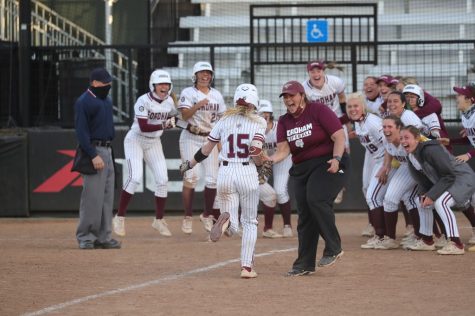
x=97, y=201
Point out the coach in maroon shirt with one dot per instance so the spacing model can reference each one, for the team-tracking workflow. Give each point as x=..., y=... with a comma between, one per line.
x=312, y=133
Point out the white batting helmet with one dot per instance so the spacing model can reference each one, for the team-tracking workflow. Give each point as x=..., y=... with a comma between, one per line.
x=248, y=93
x=200, y=66
x=160, y=76
x=415, y=89
x=265, y=106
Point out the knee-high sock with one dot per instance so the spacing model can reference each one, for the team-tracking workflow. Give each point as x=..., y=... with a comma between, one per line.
x=124, y=202
x=187, y=196
x=268, y=216
x=414, y=213
x=407, y=217
x=159, y=207
x=210, y=195
x=377, y=218
x=390, y=218
x=286, y=212
x=470, y=215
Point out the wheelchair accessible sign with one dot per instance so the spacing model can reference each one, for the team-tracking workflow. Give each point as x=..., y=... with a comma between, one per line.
x=317, y=31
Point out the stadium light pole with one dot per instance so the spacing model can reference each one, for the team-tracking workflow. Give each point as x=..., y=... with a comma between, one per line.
x=109, y=19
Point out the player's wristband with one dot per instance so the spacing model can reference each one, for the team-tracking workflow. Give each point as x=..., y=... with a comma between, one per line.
x=337, y=158
x=199, y=156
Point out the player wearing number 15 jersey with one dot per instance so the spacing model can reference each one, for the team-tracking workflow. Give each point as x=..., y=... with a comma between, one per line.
x=241, y=133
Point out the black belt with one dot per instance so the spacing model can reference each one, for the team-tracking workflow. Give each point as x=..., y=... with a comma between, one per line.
x=102, y=143
x=195, y=130
x=225, y=163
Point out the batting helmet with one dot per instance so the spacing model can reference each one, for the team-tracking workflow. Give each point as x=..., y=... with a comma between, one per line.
x=160, y=76
x=246, y=94
x=200, y=66
x=265, y=106
x=415, y=89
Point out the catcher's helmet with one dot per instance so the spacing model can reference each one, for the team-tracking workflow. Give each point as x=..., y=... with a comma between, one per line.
x=200, y=66
x=265, y=106
x=160, y=76
x=415, y=89
x=246, y=93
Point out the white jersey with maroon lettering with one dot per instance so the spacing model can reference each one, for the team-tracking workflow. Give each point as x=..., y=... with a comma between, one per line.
x=208, y=115
x=280, y=172
x=430, y=123
x=370, y=134
x=237, y=183
x=468, y=122
x=154, y=110
x=328, y=94
x=146, y=146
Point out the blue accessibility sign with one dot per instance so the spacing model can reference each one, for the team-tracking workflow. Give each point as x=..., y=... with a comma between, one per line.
x=317, y=31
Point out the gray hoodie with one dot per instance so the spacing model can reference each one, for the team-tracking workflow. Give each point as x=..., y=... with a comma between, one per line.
x=441, y=172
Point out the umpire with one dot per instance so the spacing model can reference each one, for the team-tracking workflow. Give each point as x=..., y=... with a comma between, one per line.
x=94, y=132
x=312, y=133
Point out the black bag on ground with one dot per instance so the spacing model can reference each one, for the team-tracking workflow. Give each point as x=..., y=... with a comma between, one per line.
x=82, y=162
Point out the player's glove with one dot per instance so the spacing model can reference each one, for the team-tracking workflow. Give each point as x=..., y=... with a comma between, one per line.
x=264, y=171
x=184, y=167
x=170, y=123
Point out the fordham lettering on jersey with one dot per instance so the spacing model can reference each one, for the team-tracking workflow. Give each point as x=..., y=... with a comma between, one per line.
x=210, y=107
x=327, y=100
x=159, y=116
x=299, y=132
x=272, y=145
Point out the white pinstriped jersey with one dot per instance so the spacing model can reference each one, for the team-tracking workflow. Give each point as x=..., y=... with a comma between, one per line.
x=148, y=107
x=328, y=95
x=206, y=117
x=410, y=118
x=370, y=134
x=373, y=106
x=235, y=134
x=430, y=122
x=468, y=122
x=271, y=140
x=398, y=153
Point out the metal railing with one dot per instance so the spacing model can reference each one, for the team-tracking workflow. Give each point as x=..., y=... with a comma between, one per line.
x=48, y=28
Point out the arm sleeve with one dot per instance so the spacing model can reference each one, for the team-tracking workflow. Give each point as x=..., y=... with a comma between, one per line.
x=214, y=135
x=146, y=127
x=185, y=100
x=439, y=160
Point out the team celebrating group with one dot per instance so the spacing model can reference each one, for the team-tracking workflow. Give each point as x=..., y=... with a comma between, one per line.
x=408, y=163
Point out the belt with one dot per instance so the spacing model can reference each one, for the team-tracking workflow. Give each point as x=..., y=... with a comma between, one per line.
x=225, y=163
x=102, y=143
x=195, y=130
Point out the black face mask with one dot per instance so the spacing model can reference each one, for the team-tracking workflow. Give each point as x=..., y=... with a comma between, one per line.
x=101, y=92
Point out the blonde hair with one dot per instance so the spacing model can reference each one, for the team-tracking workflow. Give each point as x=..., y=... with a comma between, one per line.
x=408, y=80
x=360, y=97
x=243, y=110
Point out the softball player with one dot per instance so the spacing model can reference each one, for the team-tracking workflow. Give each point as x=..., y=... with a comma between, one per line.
x=241, y=133
x=270, y=196
x=154, y=112
x=466, y=105
x=369, y=129
x=401, y=186
x=200, y=106
x=329, y=90
x=373, y=98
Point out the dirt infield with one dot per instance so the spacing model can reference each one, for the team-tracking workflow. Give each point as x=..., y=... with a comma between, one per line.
x=43, y=272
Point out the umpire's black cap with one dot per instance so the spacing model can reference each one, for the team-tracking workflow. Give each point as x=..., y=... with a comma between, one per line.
x=100, y=74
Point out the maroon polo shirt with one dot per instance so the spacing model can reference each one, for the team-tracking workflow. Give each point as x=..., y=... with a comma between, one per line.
x=309, y=134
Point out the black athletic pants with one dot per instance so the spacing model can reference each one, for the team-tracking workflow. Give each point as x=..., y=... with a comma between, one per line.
x=315, y=189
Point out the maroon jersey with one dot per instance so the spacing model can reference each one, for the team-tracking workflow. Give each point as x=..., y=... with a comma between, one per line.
x=309, y=134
